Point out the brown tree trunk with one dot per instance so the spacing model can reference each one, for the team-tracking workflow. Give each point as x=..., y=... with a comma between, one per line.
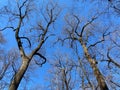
x=97, y=73
x=19, y=75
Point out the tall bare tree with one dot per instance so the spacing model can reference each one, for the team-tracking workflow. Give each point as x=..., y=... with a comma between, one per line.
x=19, y=18
x=75, y=33
x=32, y=24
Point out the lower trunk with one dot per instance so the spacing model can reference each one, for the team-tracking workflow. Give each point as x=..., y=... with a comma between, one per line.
x=99, y=77
x=97, y=73
x=19, y=75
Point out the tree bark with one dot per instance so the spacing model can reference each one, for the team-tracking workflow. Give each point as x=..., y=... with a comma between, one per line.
x=97, y=73
x=19, y=75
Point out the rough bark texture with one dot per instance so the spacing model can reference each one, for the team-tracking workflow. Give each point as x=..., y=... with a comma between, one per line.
x=19, y=75
x=97, y=73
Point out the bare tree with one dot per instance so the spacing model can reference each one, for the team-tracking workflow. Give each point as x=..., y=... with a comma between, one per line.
x=82, y=35
x=33, y=26
x=62, y=75
x=20, y=14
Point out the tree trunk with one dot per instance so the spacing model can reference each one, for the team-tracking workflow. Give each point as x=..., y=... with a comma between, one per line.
x=19, y=75
x=97, y=73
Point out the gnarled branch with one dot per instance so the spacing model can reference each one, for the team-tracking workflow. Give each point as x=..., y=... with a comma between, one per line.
x=41, y=56
x=27, y=40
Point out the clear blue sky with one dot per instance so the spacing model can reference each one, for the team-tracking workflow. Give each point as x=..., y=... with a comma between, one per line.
x=41, y=73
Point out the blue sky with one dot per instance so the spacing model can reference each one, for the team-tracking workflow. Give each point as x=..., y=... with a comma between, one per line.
x=42, y=72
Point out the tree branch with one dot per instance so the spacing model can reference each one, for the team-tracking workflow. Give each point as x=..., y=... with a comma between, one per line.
x=103, y=39
x=9, y=27
x=78, y=22
x=41, y=56
x=83, y=28
x=111, y=60
x=27, y=40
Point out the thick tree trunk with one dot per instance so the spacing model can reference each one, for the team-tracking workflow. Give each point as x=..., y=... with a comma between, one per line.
x=19, y=75
x=97, y=73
